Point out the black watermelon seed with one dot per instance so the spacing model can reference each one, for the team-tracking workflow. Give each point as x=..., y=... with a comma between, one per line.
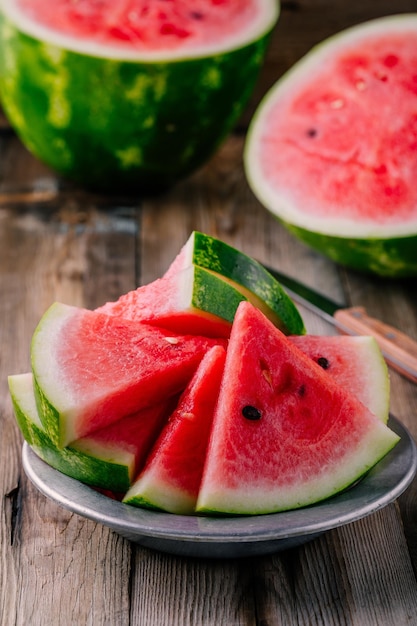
x=311, y=132
x=251, y=413
x=323, y=362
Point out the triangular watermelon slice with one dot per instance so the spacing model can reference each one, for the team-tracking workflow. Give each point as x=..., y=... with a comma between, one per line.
x=91, y=369
x=202, y=288
x=284, y=434
x=356, y=363
x=109, y=458
x=190, y=301
x=172, y=474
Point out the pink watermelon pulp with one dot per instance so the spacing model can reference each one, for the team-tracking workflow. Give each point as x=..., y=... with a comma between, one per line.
x=284, y=434
x=356, y=363
x=171, y=477
x=332, y=150
x=200, y=291
x=168, y=302
x=91, y=369
x=147, y=25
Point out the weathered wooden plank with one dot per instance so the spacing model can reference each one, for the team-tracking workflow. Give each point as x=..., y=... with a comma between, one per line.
x=395, y=302
x=184, y=592
x=56, y=568
x=303, y=24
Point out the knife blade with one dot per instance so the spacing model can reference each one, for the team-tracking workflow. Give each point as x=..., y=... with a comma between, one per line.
x=399, y=349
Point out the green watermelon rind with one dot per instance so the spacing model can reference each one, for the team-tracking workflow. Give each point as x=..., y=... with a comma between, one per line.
x=48, y=410
x=146, y=124
x=261, y=288
x=211, y=294
x=388, y=252
x=391, y=257
x=153, y=494
x=106, y=469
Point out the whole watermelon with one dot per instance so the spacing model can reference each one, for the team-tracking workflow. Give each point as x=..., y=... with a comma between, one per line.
x=332, y=148
x=129, y=95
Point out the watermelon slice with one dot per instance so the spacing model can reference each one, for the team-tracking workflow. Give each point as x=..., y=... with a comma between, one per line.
x=248, y=276
x=332, y=149
x=171, y=477
x=192, y=301
x=202, y=288
x=120, y=94
x=284, y=434
x=356, y=363
x=109, y=458
x=91, y=369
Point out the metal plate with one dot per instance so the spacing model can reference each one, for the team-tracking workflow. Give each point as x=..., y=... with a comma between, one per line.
x=231, y=537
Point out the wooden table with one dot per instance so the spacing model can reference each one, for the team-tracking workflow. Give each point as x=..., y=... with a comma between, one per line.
x=59, y=243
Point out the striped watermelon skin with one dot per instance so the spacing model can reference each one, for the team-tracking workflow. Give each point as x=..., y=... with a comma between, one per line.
x=128, y=124
x=390, y=257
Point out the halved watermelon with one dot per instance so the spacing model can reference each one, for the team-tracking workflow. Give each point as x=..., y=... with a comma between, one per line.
x=284, y=434
x=171, y=477
x=200, y=292
x=332, y=149
x=123, y=94
x=356, y=363
x=91, y=369
x=109, y=458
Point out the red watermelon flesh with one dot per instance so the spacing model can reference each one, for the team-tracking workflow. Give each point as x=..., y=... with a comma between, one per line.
x=164, y=302
x=109, y=458
x=356, y=363
x=201, y=289
x=172, y=474
x=91, y=369
x=284, y=434
x=132, y=435
x=148, y=25
x=346, y=127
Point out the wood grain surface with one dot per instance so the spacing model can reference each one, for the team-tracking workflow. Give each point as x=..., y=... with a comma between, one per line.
x=57, y=568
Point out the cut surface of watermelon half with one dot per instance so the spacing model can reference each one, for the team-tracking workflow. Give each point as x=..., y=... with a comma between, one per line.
x=200, y=292
x=284, y=434
x=331, y=150
x=109, y=458
x=117, y=95
x=171, y=477
x=91, y=369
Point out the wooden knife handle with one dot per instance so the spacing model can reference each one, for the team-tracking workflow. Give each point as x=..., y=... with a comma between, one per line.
x=399, y=350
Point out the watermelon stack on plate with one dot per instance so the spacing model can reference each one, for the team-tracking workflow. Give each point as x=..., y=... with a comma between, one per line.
x=254, y=422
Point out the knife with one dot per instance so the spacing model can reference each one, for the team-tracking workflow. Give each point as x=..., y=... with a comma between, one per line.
x=399, y=350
